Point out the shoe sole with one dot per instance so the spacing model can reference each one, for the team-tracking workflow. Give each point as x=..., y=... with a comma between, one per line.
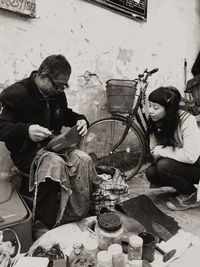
x=171, y=206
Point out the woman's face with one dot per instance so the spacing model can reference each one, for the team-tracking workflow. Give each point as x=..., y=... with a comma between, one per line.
x=156, y=111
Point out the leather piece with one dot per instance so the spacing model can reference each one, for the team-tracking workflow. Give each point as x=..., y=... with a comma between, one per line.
x=144, y=210
x=161, y=231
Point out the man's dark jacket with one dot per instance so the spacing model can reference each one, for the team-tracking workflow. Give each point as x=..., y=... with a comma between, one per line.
x=24, y=105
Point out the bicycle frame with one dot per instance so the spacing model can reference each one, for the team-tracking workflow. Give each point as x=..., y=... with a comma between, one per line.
x=134, y=115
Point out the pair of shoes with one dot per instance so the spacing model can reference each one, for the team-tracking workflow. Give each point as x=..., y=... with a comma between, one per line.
x=39, y=229
x=183, y=202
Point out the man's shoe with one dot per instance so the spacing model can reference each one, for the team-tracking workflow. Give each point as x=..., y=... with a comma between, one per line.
x=183, y=202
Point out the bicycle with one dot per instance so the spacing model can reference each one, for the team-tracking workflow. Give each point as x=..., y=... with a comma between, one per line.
x=120, y=140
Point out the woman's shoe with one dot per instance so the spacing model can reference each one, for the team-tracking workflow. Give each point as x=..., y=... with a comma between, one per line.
x=183, y=202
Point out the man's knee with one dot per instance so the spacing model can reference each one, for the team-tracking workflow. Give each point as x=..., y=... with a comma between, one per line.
x=82, y=155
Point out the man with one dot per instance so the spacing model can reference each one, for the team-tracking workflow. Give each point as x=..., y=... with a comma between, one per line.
x=33, y=109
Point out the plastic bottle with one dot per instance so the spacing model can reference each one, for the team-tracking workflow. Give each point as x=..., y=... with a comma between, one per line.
x=90, y=248
x=118, y=258
x=108, y=230
x=104, y=259
x=76, y=253
x=135, y=248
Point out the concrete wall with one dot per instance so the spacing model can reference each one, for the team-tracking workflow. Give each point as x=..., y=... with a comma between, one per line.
x=101, y=45
x=98, y=41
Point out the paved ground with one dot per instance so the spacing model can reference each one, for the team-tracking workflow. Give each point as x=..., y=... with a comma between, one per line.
x=188, y=220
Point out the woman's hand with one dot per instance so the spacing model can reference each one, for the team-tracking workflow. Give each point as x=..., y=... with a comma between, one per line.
x=82, y=127
x=155, y=152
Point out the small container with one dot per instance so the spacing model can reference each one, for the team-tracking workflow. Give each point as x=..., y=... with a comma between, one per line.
x=76, y=253
x=104, y=259
x=134, y=263
x=135, y=248
x=118, y=258
x=108, y=230
x=90, y=248
x=149, y=244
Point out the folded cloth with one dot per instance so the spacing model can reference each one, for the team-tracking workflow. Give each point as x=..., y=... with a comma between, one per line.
x=144, y=210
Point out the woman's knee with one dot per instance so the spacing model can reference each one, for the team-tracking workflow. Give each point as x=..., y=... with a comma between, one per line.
x=164, y=165
x=151, y=173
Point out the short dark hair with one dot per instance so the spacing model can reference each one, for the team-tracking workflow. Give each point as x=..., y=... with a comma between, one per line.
x=55, y=65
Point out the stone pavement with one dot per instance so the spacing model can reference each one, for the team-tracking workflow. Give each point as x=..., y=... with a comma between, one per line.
x=188, y=220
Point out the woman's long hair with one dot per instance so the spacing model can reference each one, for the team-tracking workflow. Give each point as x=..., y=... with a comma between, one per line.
x=169, y=98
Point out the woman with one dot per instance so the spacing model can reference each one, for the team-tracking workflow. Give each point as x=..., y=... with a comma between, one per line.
x=175, y=147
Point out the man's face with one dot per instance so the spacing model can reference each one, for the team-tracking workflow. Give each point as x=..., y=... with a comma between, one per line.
x=53, y=85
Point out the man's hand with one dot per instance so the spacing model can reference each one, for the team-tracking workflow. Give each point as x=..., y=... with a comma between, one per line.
x=38, y=133
x=82, y=127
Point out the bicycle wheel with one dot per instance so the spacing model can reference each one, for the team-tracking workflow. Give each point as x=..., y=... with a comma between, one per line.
x=103, y=134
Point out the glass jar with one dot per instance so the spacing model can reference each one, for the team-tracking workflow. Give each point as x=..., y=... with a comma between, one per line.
x=108, y=230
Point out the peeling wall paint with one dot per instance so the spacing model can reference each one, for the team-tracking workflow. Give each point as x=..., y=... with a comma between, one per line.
x=98, y=41
x=100, y=45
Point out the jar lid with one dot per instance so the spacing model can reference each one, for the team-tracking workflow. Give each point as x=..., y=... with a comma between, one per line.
x=109, y=221
x=135, y=241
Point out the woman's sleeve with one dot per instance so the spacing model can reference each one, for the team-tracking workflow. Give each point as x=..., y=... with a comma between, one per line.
x=190, y=150
x=153, y=142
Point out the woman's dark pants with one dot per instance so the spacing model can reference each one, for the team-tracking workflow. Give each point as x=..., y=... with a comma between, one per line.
x=169, y=172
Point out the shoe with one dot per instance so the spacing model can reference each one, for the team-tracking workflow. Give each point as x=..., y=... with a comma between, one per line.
x=183, y=202
x=173, y=195
x=64, y=140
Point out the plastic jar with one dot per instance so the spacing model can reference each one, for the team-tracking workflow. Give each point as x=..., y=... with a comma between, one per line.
x=104, y=259
x=135, y=248
x=108, y=230
x=90, y=248
x=118, y=258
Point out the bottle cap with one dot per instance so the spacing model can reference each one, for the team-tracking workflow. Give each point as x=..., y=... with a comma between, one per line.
x=77, y=248
x=103, y=258
x=135, y=241
x=109, y=221
x=90, y=246
x=115, y=249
